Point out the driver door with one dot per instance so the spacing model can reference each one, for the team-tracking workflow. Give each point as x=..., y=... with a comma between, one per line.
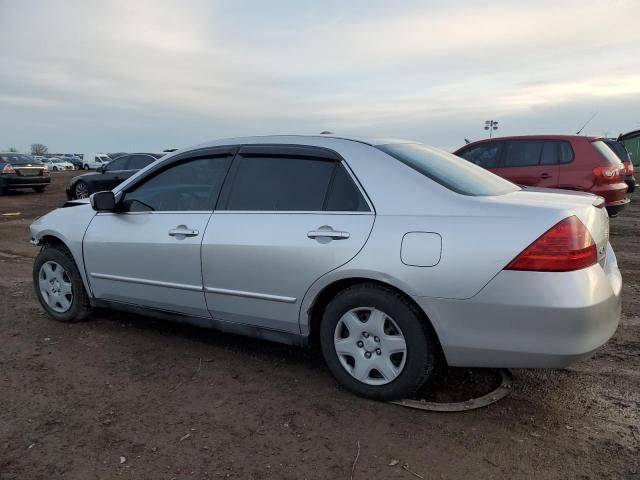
x=112, y=175
x=148, y=254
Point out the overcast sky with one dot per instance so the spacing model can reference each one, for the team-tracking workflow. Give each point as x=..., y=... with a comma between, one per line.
x=138, y=75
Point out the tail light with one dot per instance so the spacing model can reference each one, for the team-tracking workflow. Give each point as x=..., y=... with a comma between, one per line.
x=8, y=168
x=628, y=168
x=610, y=173
x=564, y=247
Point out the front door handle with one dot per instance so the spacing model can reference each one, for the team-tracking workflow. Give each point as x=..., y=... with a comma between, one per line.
x=182, y=231
x=545, y=175
x=328, y=234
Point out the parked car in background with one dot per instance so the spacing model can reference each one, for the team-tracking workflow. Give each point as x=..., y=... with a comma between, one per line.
x=621, y=152
x=570, y=162
x=360, y=245
x=56, y=164
x=94, y=160
x=109, y=175
x=631, y=141
x=19, y=171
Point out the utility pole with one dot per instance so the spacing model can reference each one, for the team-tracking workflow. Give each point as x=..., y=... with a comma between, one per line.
x=491, y=125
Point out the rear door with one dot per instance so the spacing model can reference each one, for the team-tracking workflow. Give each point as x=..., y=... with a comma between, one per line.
x=533, y=163
x=287, y=215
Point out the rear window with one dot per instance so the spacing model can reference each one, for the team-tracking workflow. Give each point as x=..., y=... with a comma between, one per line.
x=448, y=170
x=17, y=158
x=606, y=153
x=619, y=150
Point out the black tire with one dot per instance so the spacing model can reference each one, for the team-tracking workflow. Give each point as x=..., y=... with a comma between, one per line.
x=38, y=189
x=419, y=337
x=55, y=169
x=80, y=306
x=85, y=167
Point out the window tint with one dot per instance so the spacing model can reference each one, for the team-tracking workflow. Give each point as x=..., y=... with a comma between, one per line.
x=549, y=154
x=344, y=195
x=523, y=153
x=138, y=162
x=448, y=170
x=566, y=152
x=189, y=186
x=119, y=163
x=485, y=155
x=619, y=149
x=280, y=184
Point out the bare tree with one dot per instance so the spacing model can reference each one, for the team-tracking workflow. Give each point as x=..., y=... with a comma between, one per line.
x=38, y=149
x=13, y=149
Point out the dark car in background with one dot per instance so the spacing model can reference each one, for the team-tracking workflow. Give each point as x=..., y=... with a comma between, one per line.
x=619, y=149
x=110, y=175
x=570, y=162
x=115, y=155
x=19, y=171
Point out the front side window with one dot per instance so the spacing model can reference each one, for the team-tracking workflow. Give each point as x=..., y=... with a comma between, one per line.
x=138, y=162
x=484, y=155
x=192, y=185
x=272, y=183
x=453, y=173
x=119, y=163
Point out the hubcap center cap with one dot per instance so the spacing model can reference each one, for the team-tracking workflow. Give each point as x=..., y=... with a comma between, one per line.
x=369, y=344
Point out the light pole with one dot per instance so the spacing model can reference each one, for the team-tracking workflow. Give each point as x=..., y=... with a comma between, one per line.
x=490, y=125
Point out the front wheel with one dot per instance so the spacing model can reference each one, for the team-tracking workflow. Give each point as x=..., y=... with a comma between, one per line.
x=376, y=343
x=55, y=169
x=81, y=190
x=85, y=167
x=59, y=286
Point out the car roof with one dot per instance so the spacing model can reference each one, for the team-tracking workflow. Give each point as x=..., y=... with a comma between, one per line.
x=302, y=140
x=551, y=136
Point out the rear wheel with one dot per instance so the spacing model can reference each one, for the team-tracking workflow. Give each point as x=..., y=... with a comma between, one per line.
x=85, y=167
x=376, y=343
x=81, y=190
x=59, y=286
x=55, y=169
x=38, y=189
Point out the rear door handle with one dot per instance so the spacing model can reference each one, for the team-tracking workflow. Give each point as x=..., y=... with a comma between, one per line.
x=183, y=232
x=328, y=234
x=545, y=175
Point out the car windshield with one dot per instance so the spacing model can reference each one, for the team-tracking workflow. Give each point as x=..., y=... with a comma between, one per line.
x=17, y=158
x=448, y=170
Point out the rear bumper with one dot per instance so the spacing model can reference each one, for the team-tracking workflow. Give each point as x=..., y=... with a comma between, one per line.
x=530, y=319
x=12, y=181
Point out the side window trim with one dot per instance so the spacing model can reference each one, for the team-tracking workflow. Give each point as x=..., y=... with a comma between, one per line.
x=309, y=151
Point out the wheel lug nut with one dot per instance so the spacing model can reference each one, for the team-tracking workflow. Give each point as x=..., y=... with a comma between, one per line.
x=360, y=344
x=365, y=335
x=367, y=354
x=376, y=339
x=378, y=351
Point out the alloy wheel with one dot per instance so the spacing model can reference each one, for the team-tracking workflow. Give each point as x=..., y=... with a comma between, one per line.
x=81, y=190
x=370, y=346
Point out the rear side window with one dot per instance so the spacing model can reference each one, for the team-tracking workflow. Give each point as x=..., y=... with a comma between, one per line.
x=448, y=170
x=485, y=155
x=280, y=184
x=522, y=153
x=344, y=195
x=606, y=153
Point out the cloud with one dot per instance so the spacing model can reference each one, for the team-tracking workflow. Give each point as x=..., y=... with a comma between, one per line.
x=76, y=70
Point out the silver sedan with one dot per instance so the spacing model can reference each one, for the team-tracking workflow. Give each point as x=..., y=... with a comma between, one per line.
x=388, y=254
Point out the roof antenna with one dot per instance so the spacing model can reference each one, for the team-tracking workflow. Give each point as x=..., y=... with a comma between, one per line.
x=587, y=123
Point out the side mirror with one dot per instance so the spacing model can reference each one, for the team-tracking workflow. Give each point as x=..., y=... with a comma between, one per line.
x=100, y=169
x=103, y=201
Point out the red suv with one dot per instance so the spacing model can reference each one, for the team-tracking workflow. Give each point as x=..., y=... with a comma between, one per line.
x=571, y=162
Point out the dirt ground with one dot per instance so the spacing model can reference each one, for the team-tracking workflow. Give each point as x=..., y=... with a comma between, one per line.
x=128, y=397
